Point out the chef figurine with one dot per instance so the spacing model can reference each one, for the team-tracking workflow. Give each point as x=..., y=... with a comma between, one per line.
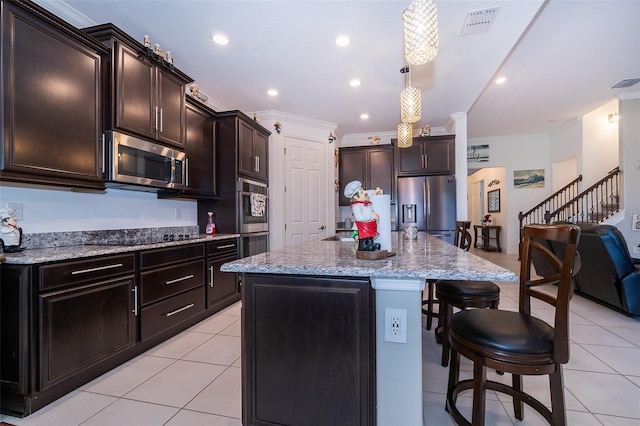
x=10, y=234
x=365, y=216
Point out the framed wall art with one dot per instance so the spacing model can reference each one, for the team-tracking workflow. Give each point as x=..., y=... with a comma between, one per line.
x=528, y=178
x=478, y=153
x=493, y=201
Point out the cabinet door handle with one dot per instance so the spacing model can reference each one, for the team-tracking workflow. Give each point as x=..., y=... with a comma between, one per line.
x=226, y=246
x=256, y=164
x=177, y=280
x=135, y=301
x=99, y=268
x=211, y=276
x=161, y=120
x=103, y=156
x=155, y=113
x=177, y=311
x=426, y=161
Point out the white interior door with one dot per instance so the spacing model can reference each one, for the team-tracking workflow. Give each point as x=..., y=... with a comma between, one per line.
x=305, y=190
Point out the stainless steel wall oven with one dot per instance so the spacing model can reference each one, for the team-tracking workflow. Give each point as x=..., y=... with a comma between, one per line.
x=253, y=216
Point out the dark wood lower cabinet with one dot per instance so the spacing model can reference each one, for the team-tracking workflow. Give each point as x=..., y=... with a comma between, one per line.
x=223, y=288
x=66, y=323
x=83, y=326
x=308, y=350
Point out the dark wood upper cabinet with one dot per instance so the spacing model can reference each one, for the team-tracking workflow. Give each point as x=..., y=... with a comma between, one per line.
x=252, y=141
x=201, y=149
x=147, y=94
x=430, y=155
x=252, y=147
x=52, y=100
x=371, y=165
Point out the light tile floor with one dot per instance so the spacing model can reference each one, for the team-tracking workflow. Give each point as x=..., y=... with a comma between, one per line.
x=194, y=378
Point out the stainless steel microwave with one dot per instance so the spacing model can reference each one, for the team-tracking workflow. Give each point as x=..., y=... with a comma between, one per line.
x=147, y=165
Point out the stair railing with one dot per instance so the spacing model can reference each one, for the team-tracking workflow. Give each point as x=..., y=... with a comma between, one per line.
x=595, y=204
x=540, y=213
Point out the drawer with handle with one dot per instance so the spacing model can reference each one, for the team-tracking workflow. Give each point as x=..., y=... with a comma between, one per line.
x=160, y=283
x=222, y=247
x=160, y=257
x=80, y=271
x=164, y=315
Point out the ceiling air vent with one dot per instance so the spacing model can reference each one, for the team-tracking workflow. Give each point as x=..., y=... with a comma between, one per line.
x=479, y=21
x=625, y=83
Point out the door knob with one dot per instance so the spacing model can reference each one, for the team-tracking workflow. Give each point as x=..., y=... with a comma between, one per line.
x=322, y=227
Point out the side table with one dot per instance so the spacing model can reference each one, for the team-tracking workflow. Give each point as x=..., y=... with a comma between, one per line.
x=486, y=235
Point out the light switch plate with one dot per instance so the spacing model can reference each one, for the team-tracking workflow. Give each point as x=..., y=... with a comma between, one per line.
x=635, y=222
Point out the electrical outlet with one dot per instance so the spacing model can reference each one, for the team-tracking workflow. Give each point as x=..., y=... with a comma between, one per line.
x=395, y=325
x=17, y=210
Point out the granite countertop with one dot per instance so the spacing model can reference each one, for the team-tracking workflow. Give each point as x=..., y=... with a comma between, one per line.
x=425, y=258
x=51, y=254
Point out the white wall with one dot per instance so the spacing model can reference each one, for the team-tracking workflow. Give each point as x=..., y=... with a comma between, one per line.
x=51, y=210
x=566, y=154
x=512, y=153
x=630, y=167
x=600, y=144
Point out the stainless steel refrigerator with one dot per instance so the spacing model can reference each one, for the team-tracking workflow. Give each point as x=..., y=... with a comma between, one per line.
x=428, y=202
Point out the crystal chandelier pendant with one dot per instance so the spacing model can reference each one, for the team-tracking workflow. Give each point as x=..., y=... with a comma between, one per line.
x=410, y=105
x=405, y=135
x=420, y=31
x=410, y=100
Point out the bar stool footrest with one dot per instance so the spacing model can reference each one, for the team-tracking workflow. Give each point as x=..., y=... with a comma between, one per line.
x=464, y=385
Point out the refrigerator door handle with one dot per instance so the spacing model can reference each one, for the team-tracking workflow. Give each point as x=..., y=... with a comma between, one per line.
x=426, y=202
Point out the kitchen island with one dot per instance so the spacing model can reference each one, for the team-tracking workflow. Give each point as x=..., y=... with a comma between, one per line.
x=315, y=347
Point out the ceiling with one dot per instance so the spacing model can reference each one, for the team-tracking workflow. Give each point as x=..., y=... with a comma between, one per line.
x=560, y=57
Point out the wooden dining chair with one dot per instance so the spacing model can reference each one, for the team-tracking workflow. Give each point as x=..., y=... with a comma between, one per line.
x=517, y=342
x=461, y=294
x=461, y=239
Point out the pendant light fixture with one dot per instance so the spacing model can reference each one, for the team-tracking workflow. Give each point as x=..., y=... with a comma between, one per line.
x=405, y=135
x=420, y=31
x=410, y=100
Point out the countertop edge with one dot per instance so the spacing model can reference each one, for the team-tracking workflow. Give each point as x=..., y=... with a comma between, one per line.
x=53, y=254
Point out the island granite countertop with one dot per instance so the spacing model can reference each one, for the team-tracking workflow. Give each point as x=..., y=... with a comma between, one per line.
x=425, y=258
x=51, y=254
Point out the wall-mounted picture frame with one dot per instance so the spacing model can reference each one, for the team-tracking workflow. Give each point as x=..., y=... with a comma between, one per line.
x=528, y=178
x=493, y=198
x=477, y=153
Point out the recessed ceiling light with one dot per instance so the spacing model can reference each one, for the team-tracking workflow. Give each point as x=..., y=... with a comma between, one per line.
x=355, y=82
x=220, y=39
x=501, y=80
x=364, y=116
x=343, y=40
x=272, y=92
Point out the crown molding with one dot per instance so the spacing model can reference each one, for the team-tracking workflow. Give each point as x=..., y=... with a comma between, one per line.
x=300, y=120
x=61, y=9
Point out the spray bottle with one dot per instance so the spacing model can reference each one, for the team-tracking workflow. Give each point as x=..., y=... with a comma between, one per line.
x=211, y=227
